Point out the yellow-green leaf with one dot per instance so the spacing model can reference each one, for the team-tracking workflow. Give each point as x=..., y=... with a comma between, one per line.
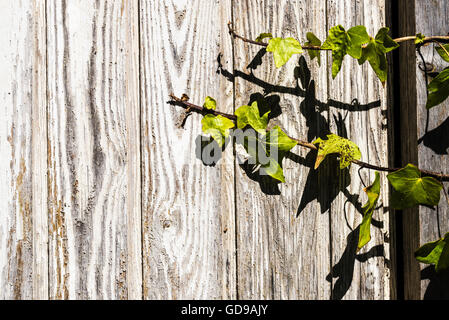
x=249, y=115
x=357, y=37
x=372, y=192
x=375, y=51
x=210, y=103
x=347, y=150
x=283, y=49
x=342, y=43
x=217, y=126
x=268, y=151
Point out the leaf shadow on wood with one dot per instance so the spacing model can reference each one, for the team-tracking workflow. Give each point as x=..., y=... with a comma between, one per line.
x=268, y=88
x=267, y=184
x=319, y=186
x=437, y=139
x=208, y=151
x=438, y=287
x=343, y=270
x=257, y=60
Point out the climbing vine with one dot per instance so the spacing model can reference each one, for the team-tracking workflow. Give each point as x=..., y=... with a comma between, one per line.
x=266, y=148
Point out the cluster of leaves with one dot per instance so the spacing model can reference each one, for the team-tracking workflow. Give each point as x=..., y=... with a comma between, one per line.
x=409, y=187
x=357, y=43
x=259, y=143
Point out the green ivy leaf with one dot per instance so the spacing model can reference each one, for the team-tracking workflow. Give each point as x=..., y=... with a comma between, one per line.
x=419, y=38
x=283, y=49
x=313, y=41
x=249, y=115
x=275, y=139
x=217, y=126
x=357, y=37
x=210, y=103
x=342, y=43
x=375, y=52
x=444, y=53
x=373, y=194
x=438, y=89
x=263, y=36
x=410, y=189
x=347, y=149
x=436, y=252
x=384, y=41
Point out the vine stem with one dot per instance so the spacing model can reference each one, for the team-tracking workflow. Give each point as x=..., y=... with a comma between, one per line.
x=193, y=107
x=397, y=40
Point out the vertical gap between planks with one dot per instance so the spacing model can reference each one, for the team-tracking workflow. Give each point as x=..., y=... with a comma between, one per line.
x=396, y=238
x=234, y=163
x=409, y=148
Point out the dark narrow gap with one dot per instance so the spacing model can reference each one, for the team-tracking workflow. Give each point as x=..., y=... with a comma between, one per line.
x=141, y=149
x=397, y=158
x=235, y=164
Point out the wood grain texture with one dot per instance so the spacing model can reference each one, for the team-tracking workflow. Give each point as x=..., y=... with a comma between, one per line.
x=23, y=244
x=433, y=140
x=281, y=256
x=105, y=191
x=94, y=150
x=188, y=207
x=409, y=152
x=363, y=274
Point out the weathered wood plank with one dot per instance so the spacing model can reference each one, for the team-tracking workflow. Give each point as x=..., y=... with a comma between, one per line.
x=94, y=143
x=188, y=207
x=363, y=274
x=408, y=146
x=39, y=159
x=23, y=241
x=281, y=256
x=433, y=139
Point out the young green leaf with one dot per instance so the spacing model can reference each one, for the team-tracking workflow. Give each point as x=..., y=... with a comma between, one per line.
x=249, y=115
x=357, y=37
x=372, y=192
x=283, y=49
x=277, y=138
x=342, y=43
x=384, y=41
x=271, y=146
x=337, y=41
x=438, y=89
x=313, y=41
x=436, y=253
x=347, y=150
x=217, y=126
x=410, y=189
x=210, y=103
x=263, y=36
x=375, y=51
x=419, y=38
x=443, y=51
